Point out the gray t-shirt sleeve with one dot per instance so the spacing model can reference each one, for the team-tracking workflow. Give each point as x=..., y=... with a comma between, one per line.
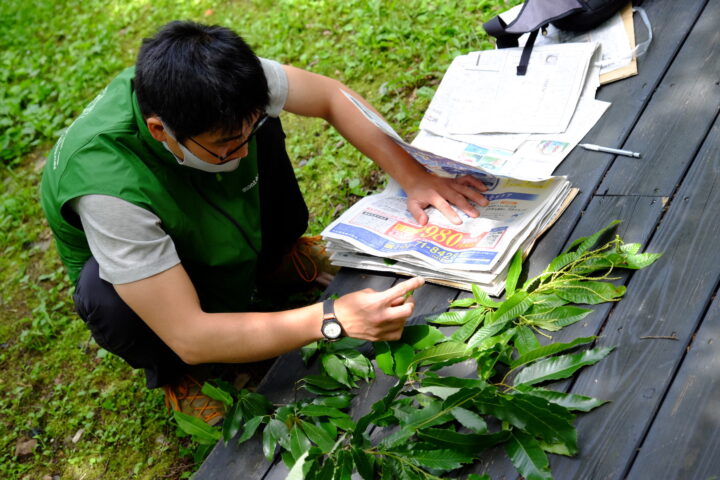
x=277, y=86
x=127, y=241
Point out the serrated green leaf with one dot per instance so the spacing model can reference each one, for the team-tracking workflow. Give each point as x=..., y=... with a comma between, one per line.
x=440, y=353
x=562, y=260
x=251, y=427
x=557, y=317
x=420, y=337
x=473, y=320
x=525, y=340
x=432, y=379
x=462, y=303
x=556, y=368
x=589, y=292
x=527, y=456
x=398, y=437
x=217, y=394
x=556, y=448
x=487, y=359
x=586, y=243
x=630, y=248
x=442, y=460
x=384, y=358
x=487, y=331
x=440, y=392
x=490, y=342
x=335, y=368
x=475, y=476
x=482, y=298
x=513, y=274
x=641, y=260
x=472, y=443
x=201, y=431
x=469, y=419
x=530, y=414
x=449, y=318
x=543, y=302
x=570, y=401
x=547, y=350
x=318, y=436
x=403, y=355
x=512, y=307
x=435, y=413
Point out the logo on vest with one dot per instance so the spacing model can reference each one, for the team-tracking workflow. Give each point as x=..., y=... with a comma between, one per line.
x=250, y=185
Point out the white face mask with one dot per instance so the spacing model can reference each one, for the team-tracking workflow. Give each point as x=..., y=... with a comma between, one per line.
x=191, y=160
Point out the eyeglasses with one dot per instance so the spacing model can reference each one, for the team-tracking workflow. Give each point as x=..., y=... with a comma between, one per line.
x=223, y=158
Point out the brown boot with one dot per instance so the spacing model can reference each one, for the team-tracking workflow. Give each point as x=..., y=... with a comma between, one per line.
x=186, y=396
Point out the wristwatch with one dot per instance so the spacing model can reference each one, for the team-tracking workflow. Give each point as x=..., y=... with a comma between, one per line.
x=331, y=328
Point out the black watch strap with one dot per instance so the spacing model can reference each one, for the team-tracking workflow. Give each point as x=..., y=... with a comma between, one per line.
x=328, y=308
x=331, y=327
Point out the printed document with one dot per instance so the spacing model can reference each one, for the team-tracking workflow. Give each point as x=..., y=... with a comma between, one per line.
x=482, y=93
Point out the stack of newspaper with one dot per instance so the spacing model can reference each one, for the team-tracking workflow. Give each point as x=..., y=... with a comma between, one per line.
x=508, y=131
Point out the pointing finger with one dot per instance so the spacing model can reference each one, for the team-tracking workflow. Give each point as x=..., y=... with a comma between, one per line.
x=403, y=288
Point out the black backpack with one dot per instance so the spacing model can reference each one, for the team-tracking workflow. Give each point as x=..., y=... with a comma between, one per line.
x=572, y=15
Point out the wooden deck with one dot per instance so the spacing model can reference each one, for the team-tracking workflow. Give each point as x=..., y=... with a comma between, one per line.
x=663, y=421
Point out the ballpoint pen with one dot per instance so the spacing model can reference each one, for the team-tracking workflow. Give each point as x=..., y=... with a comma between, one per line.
x=616, y=151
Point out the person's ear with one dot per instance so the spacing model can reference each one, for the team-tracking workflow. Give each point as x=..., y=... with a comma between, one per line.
x=156, y=127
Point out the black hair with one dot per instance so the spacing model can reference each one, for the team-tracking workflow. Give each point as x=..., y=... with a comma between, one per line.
x=199, y=78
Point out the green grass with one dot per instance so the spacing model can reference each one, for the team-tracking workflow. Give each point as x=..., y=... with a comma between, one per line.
x=88, y=411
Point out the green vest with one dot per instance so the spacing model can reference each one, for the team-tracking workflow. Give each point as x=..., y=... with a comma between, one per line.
x=213, y=219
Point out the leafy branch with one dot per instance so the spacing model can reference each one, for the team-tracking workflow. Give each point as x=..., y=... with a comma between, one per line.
x=429, y=424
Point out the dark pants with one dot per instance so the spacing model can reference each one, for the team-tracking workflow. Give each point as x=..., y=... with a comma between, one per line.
x=117, y=329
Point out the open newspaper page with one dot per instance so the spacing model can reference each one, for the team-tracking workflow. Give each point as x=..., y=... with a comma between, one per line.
x=518, y=155
x=382, y=226
x=379, y=233
x=491, y=282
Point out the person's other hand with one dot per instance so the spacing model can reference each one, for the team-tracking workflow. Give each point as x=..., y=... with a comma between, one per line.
x=442, y=193
x=371, y=315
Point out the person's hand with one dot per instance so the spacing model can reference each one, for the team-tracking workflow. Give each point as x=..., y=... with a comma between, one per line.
x=371, y=315
x=442, y=193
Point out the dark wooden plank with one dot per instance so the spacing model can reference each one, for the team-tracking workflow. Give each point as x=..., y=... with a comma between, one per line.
x=667, y=299
x=675, y=122
x=672, y=21
x=639, y=216
x=685, y=436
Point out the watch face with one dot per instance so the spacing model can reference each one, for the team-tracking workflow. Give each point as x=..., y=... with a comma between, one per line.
x=332, y=330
